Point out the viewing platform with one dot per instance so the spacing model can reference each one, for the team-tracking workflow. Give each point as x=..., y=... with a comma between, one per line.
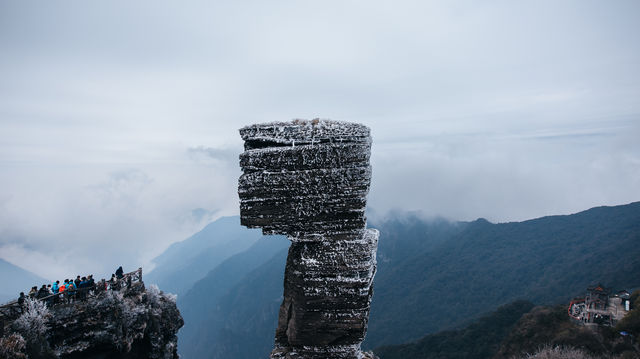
x=13, y=309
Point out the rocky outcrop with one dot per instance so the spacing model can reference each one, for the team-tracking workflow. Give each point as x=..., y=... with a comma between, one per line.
x=309, y=180
x=133, y=322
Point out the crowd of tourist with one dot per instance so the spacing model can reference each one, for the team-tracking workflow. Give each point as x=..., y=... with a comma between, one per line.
x=71, y=290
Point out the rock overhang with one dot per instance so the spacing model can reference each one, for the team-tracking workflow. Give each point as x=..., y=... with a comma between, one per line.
x=309, y=180
x=304, y=177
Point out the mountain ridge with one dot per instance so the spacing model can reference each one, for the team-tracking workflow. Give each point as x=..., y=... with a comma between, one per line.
x=530, y=255
x=438, y=275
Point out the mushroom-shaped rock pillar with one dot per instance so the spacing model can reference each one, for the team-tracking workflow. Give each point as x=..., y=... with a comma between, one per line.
x=309, y=180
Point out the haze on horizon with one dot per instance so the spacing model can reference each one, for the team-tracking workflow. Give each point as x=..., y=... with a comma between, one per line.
x=118, y=120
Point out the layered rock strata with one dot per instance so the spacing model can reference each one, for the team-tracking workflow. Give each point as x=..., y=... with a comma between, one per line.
x=309, y=180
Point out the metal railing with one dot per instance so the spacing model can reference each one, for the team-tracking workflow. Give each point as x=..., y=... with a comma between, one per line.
x=13, y=309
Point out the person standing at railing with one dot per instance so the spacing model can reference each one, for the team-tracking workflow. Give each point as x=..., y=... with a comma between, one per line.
x=21, y=300
x=50, y=299
x=92, y=283
x=113, y=283
x=70, y=291
x=33, y=292
x=55, y=288
x=67, y=292
x=119, y=273
x=80, y=289
x=83, y=288
x=62, y=289
x=43, y=292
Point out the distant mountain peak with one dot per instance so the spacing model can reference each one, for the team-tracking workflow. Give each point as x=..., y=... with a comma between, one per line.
x=15, y=279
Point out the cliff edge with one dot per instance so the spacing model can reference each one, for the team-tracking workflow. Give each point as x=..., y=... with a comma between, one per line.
x=133, y=322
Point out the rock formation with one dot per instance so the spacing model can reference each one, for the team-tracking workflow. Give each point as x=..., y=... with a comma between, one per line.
x=133, y=322
x=309, y=180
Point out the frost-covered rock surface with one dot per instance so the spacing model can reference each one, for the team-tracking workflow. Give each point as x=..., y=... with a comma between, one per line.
x=130, y=323
x=309, y=180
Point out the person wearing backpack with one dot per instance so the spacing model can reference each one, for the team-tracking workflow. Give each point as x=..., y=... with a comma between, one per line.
x=55, y=289
x=63, y=288
x=71, y=291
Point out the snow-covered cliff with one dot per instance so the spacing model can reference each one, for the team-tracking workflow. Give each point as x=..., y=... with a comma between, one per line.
x=132, y=322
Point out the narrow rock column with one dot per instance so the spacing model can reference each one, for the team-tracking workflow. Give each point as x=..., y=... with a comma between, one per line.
x=309, y=180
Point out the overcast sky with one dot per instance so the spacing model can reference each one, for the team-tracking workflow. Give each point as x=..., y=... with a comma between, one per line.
x=119, y=119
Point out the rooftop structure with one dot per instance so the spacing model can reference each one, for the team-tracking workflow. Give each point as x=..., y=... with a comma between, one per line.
x=600, y=307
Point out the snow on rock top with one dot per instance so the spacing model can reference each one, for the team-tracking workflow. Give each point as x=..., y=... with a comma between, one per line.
x=301, y=132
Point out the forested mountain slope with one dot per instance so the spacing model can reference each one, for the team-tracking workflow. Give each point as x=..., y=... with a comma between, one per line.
x=232, y=311
x=545, y=260
x=481, y=339
x=436, y=275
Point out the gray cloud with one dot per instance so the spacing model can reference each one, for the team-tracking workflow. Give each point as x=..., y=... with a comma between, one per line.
x=227, y=156
x=118, y=120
